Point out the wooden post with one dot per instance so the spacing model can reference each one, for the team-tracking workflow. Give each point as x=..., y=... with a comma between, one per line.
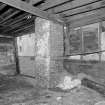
x=99, y=40
x=16, y=56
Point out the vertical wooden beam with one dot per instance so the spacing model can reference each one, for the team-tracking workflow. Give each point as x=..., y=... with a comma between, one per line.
x=99, y=40
x=82, y=39
x=16, y=56
x=64, y=36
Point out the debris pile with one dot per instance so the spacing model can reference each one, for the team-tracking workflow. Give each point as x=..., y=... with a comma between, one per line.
x=69, y=83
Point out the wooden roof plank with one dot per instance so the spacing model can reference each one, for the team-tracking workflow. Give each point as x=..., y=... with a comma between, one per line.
x=19, y=25
x=23, y=28
x=51, y=3
x=13, y=21
x=26, y=30
x=96, y=17
x=9, y=16
x=34, y=1
x=73, y=5
x=84, y=9
x=87, y=14
x=33, y=10
x=6, y=12
x=2, y=6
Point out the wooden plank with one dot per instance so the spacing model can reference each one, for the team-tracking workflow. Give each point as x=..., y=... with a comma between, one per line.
x=16, y=56
x=24, y=32
x=73, y=5
x=13, y=21
x=84, y=9
x=51, y=3
x=2, y=6
x=33, y=10
x=95, y=13
x=98, y=16
x=34, y=1
x=6, y=36
x=19, y=25
x=9, y=16
x=6, y=12
x=76, y=17
x=20, y=29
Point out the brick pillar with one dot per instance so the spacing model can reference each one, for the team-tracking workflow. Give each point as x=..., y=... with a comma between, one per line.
x=42, y=58
x=49, y=49
x=56, y=53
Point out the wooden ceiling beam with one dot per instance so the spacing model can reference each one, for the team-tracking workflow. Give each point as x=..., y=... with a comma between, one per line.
x=6, y=12
x=33, y=10
x=76, y=21
x=2, y=6
x=5, y=34
x=19, y=25
x=52, y=3
x=90, y=7
x=98, y=12
x=73, y=5
x=9, y=16
x=13, y=21
x=26, y=31
x=23, y=28
x=32, y=2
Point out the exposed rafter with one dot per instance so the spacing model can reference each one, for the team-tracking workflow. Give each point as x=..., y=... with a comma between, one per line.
x=97, y=16
x=9, y=16
x=74, y=5
x=33, y=10
x=21, y=25
x=49, y=4
x=85, y=7
x=88, y=8
x=17, y=19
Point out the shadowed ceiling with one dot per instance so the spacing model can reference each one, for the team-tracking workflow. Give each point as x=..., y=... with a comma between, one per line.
x=14, y=21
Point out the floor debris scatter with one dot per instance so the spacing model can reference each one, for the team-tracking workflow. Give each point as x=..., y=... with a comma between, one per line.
x=14, y=90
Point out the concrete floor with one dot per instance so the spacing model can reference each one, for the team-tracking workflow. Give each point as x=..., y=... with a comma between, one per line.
x=15, y=90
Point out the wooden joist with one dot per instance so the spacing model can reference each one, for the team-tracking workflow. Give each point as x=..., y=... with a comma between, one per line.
x=33, y=10
x=32, y=2
x=95, y=16
x=14, y=21
x=6, y=12
x=24, y=28
x=19, y=25
x=2, y=6
x=51, y=3
x=75, y=4
x=83, y=9
x=24, y=31
x=9, y=16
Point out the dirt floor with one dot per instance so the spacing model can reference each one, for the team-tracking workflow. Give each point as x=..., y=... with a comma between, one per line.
x=15, y=90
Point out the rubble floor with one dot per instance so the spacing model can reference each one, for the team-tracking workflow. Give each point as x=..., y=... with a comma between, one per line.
x=15, y=90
